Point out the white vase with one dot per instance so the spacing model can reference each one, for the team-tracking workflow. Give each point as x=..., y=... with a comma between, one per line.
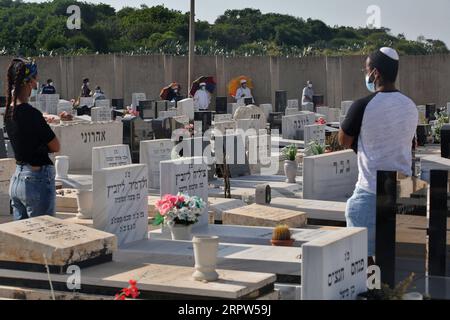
x=62, y=167
x=85, y=201
x=290, y=170
x=181, y=232
x=205, y=254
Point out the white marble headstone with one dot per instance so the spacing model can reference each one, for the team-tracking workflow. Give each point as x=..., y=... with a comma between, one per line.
x=291, y=124
x=308, y=106
x=104, y=103
x=110, y=157
x=185, y=107
x=334, y=266
x=101, y=114
x=292, y=111
x=152, y=152
x=316, y=133
x=64, y=106
x=135, y=98
x=221, y=128
x=86, y=101
x=121, y=202
x=293, y=103
x=188, y=176
x=167, y=114
x=330, y=176
x=49, y=103
x=267, y=109
x=223, y=117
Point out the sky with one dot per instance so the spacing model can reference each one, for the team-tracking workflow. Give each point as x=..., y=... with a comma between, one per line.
x=411, y=17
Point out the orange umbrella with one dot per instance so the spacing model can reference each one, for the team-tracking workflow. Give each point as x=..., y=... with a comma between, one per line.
x=234, y=84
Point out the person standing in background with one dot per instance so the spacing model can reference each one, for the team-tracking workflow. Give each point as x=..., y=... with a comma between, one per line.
x=32, y=188
x=202, y=98
x=48, y=88
x=308, y=93
x=243, y=92
x=85, y=91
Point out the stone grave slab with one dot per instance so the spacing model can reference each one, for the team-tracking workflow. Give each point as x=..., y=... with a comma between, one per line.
x=48, y=103
x=232, y=107
x=292, y=124
x=31, y=244
x=330, y=176
x=233, y=145
x=185, y=107
x=223, y=117
x=221, y=128
x=110, y=156
x=103, y=103
x=101, y=114
x=334, y=266
x=292, y=111
x=77, y=141
x=308, y=106
x=86, y=101
x=251, y=112
x=263, y=216
x=293, y=103
x=120, y=202
x=167, y=114
x=152, y=152
x=218, y=205
x=259, y=150
x=7, y=169
x=432, y=162
x=267, y=109
x=64, y=106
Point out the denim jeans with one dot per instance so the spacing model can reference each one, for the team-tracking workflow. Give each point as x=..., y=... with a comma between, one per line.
x=361, y=213
x=33, y=193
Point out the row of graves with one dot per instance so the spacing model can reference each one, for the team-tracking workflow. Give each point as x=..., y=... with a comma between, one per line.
x=113, y=168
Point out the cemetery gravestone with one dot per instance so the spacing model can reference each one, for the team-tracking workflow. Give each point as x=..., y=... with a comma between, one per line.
x=330, y=176
x=232, y=107
x=185, y=107
x=187, y=176
x=292, y=111
x=259, y=153
x=34, y=243
x=101, y=114
x=324, y=111
x=334, y=115
x=292, y=124
x=422, y=114
x=221, y=105
x=430, y=111
x=314, y=133
x=117, y=103
x=334, y=265
x=161, y=106
x=77, y=140
x=120, y=202
x=280, y=101
x=205, y=117
x=221, y=128
x=86, y=101
x=233, y=146
x=251, y=112
x=433, y=162
x=135, y=98
x=152, y=152
x=7, y=169
x=64, y=106
x=110, y=157
x=267, y=109
x=103, y=103
x=49, y=103
x=167, y=114
x=293, y=104
x=147, y=109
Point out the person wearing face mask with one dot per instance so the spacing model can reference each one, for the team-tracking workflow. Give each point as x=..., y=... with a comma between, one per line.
x=32, y=188
x=85, y=91
x=49, y=88
x=202, y=98
x=308, y=93
x=243, y=92
x=380, y=129
x=174, y=93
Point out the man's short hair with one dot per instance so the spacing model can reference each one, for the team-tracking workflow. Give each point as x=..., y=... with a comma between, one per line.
x=49, y=81
x=85, y=80
x=386, y=61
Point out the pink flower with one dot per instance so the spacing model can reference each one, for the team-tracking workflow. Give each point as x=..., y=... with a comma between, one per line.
x=173, y=200
x=181, y=199
x=165, y=208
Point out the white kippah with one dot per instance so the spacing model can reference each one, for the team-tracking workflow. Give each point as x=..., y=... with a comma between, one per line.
x=391, y=53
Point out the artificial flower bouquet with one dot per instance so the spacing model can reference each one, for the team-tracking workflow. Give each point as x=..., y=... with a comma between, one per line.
x=179, y=210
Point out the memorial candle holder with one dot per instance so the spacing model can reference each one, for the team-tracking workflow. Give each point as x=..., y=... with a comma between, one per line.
x=205, y=254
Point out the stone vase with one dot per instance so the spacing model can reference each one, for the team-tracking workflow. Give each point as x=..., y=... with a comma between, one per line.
x=205, y=254
x=290, y=170
x=181, y=232
x=62, y=167
x=85, y=201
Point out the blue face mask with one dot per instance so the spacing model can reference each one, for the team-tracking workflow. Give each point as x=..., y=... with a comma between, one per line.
x=370, y=85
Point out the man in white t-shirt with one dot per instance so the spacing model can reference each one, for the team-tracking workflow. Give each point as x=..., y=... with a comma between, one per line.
x=380, y=128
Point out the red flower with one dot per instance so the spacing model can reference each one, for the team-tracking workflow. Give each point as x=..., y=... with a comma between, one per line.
x=119, y=297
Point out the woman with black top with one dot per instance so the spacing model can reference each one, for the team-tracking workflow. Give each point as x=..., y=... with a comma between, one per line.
x=32, y=188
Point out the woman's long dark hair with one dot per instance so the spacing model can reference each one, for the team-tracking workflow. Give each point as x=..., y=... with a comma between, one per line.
x=16, y=79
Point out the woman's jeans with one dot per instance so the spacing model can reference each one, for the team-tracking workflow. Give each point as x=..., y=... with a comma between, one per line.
x=33, y=193
x=361, y=213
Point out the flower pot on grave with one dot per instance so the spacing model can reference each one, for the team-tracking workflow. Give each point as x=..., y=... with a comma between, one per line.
x=62, y=167
x=290, y=170
x=181, y=232
x=205, y=254
x=282, y=243
x=85, y=201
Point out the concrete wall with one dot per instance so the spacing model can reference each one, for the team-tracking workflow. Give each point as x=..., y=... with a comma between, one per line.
x=423, y=78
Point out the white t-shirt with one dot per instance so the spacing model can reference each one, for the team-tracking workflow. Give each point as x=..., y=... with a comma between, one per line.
x=384, y=124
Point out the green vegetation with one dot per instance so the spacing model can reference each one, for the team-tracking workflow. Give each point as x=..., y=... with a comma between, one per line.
x=40, y=29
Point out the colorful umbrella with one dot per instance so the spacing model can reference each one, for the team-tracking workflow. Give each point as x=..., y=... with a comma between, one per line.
x=210, y=85
x=165, y=91
x=234, y=84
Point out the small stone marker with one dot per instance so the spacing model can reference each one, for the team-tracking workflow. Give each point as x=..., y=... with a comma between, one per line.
x=110, y=157
x=257, y=215
x=263, y=194
x=120, y=202
x=31, y=244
